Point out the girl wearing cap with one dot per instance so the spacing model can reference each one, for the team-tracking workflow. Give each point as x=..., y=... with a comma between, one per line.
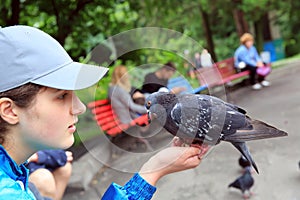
x=247, y=58
x=39, y=110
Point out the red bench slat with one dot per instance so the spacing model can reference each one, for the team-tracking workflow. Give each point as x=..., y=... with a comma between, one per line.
x=108, y=121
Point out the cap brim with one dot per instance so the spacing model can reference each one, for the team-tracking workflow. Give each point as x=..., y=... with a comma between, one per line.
x=73, y=76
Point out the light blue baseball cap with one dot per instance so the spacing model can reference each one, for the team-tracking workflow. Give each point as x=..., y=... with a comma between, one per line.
x=29, y=55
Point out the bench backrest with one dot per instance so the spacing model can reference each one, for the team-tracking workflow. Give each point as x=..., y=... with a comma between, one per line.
x=209, y=76
x=222, y=72
x=226, y=67
x=108, y=121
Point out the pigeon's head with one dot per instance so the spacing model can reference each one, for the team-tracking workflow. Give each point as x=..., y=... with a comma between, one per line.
x=157, y=104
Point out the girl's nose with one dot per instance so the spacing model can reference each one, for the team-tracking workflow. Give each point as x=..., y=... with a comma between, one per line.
x=78, y=107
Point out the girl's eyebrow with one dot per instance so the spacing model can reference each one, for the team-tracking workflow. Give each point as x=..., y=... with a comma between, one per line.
x=54, y=90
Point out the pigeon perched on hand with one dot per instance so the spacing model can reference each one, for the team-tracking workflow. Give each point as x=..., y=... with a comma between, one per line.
x=244, y=183
x=203, y=119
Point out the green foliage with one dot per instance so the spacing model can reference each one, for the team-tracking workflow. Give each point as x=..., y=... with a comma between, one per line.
x=82, y=25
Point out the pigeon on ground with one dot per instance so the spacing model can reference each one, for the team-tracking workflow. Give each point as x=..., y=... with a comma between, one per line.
x=244, y=183
x=207, y=120
x=243, y=162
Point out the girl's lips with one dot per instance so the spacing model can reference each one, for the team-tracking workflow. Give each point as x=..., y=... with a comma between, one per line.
x=72, y=128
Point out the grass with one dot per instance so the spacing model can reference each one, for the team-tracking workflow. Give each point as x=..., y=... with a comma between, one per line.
x=283, y=62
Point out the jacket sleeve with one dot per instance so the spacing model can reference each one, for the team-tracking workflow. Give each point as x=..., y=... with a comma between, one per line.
x=135, y=189
x=126, y=99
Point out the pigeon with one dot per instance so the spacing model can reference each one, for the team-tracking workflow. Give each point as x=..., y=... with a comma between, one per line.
x=243, y=162
x=201, y=119
x=244, y=183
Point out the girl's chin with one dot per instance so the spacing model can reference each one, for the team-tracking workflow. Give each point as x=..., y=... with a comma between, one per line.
x=68, y=143
x=64, y=143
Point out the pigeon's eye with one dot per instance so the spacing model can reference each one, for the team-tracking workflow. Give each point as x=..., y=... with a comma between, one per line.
x=149, y=103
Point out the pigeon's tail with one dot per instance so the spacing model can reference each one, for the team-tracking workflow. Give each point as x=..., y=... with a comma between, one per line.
x=258, y=130
x=234, y=184
x=242, y=147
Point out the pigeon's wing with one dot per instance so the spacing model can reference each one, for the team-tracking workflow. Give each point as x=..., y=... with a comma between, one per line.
x=258, y=130
x=244, y=182
x=227, y=117
x=193, y=117
x=190, y=122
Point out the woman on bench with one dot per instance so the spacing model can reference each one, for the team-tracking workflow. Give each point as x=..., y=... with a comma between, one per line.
x=119, y=95
x=247, y=58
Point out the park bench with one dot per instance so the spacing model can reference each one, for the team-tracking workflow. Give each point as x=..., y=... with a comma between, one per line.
x=221, y=73
x=108, y=120
x=182, y=82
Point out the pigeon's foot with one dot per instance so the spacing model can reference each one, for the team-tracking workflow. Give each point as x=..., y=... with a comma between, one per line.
x=248, y=194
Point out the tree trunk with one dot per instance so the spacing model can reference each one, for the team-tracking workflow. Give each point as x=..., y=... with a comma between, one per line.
x=240, y=22
x=208, y=34
x=266, y=28
x=15, y=13
x=259, y=36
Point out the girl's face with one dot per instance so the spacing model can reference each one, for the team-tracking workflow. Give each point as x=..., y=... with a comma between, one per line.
x=50, y=121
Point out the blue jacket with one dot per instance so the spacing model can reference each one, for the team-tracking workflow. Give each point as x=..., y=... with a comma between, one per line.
x=249, y=56
x=13, y=179
x=135, y=189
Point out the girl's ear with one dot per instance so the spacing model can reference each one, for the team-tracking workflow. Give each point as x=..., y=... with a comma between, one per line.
x=7, y=111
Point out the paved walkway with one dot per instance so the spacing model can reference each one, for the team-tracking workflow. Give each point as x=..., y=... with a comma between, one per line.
x=277, y=158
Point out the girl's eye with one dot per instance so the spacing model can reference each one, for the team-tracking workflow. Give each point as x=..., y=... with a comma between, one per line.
x=62, y=96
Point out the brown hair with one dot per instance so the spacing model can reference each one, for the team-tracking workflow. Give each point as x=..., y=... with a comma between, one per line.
x=169, y=66
x=246, y=37
x=120, y=77
x=22, y=97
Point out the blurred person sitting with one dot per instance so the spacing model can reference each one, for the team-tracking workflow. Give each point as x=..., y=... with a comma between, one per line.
x=206, y=60
x=246, y=58
x=158, y=80
x=119, y=95
x=49, y=173
x=197, y=60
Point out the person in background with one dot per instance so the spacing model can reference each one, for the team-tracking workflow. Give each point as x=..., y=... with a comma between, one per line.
x=197, y=60
x=246, y=58
x=206, y=60
x=158, y=80
x=49, y=172
x=39, y=110
x=121, y=100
